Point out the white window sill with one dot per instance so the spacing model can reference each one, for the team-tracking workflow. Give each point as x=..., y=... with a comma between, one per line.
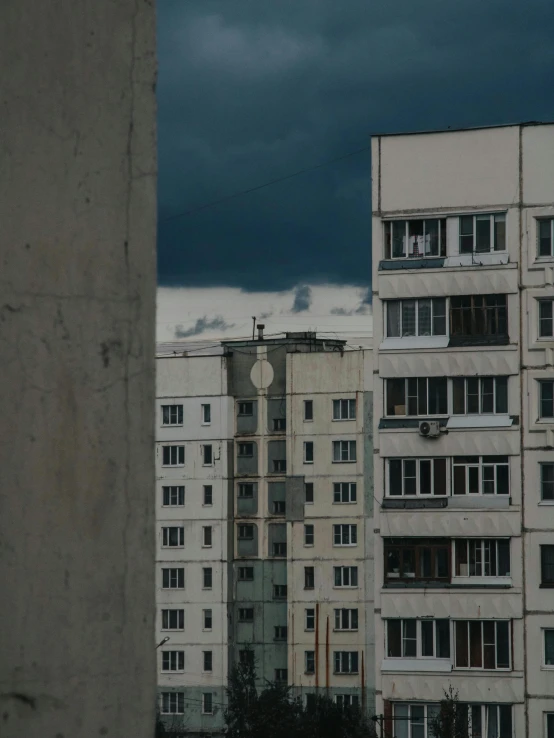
x=422, y=664
x=546, y=503
x=308, y=462
x=172, y=547
x=414, y=342
x=172, y=425
x=343, y=420
x=345, y=630
x=479, y=581
x=354, y=502
x=346, y=673
x=349, y=461
x=173, y=466
x=479, y=421
x=344, y=545
x=345, y=586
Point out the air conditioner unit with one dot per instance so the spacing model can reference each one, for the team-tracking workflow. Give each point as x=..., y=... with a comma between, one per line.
x=429, y=428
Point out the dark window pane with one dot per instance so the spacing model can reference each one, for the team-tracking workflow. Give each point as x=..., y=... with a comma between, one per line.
x=443, y=639
x=421, y=396
x=547, y=399
x=458, y=396
x=439, y=316
x=489, y=650
x=549, y=647
x=547, y=564
x=545, y=237
x=505, y=712
x=547, y=481
x=466, y=234
x=408, y=317
x=461, y=644
x=412, y=397
x=545, y=318
x=408, y=563
x=409, y=638
x=425, y=563
x=499, y=232
x=439, y=473
x=398, y=239
x=395, y=477
x=425, y=477
x=396, y=402
x=431, y=238
x=483, y=233
x=487, y=395
x=475, y=644
x=473, y=472
x=442, y=563
x=503, y=645
x=392, y=563
x=502, y=479
x=502, y=394
x=410, y=482
x=388, y=240
x=438, y=398
x=459, y=480
x=424, y=317
x=472, y=385
x=427, y=644
x=394, y=639
x=503, y=558
x=393, y=319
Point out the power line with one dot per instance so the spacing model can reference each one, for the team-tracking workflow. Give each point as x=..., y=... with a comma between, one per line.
x=259, y=187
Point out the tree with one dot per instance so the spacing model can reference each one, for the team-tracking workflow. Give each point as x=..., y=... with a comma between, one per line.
x=327, y=719
x=451, y=721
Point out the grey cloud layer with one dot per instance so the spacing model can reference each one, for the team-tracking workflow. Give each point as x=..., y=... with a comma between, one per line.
x=249, y=92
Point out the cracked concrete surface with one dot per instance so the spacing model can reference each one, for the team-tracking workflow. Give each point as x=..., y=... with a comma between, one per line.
x=77, y=302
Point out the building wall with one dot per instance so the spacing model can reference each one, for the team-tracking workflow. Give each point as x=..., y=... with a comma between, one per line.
x=78, y=199
x=447, y=175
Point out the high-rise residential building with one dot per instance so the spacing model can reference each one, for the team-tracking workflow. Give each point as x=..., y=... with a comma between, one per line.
x=264, y=500
x=463, y=280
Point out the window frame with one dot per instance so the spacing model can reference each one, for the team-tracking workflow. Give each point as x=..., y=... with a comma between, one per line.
x=416, y=547
x=540, y=221
x=545, y=664
x=207, y=536
x=481, y=465
x=542, y=302
x=207, y=578
x=340, y=571
x=308, y=404
x=281, y=676
x=543, y=465
x=207, y=454
x=173, y=491
x=246, y=615
x=207, y=662
x=417, y=634
x=548, y=724
x=345, y=532
x=173, y=657
x=279, y=424
x=174, y=573
x=309, y=616
x=279, y=466
x=207, y=703
x=280, y=592
x=388, y=239
x=207, y=616
x=308, y=455
x=207, y=495
x=339, y=405
x=179, y=613
x=206, y=413
x=348, y=615
x=348, y=662
x=279, y=550
x=544, y=549
x=243, y=530
x=242, y=447
x=166, y=700
x=279, y=507
x=549, y=415
x=479, y=557
x=345, y=448
x=308, y=487
x=471, y=626
x=309, y=577
x=498, y=394
x=494, y=218
x=245, y=487
x=461, y=316
x=411, y=383
x=434, y=462
x=339, y=490
x=242, y=570
x=168, y=531
x=167, y=412
x=309, y=662
x=437, y=317
x=309, y=534
x=179, y=454
x=280, y=632
x=245, y=408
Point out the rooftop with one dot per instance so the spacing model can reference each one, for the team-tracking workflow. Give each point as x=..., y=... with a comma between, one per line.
x=469, y=128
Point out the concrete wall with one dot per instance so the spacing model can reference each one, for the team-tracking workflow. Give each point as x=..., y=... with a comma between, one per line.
x=78, y=212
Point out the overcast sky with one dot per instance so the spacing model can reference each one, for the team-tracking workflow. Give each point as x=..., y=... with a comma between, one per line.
x=253, y=90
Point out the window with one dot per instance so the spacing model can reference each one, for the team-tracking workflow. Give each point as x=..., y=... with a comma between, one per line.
x=279, y=591
x=546, y=399
x=308, y=410
x=279, y=507
x=173, y=619
x=418, y=639
x=475, y=475
x=345, y=535
x=246, y=656
x=173, y=496
x=207, y=703
x=308, y=452
x=173, y=578
x=173, y=537
x=344, y=451
x=310, y=701
x=344, y=492
x=482, y=233
x=417, y=477
x=173, y=455
x=309, y=493
x=281, y=676
x=279, y=549
x=246, y=532
x=279, y=466
x=547, y=481
x=346, y=576
x=208, y=495
x=417, y=559
x=279, y=424
x=548, y=647
x=414, y=721
x=173, y=703
x=207, y=455
x=206, y=414
x=347, y=701
x=423, y=317
x=207, y=619
x=246, y=449
x=550, y=725
x=207, y=577
x=546, y=318
x=309, y=660
x=208, y=661
x=246, y=573
x=246, y=490
x=412, y=239
x=420, y=396
x=344, y=409
x=246, y=408
x=280, y=633
x=346, y=619
x=479, y=395
x=207, y=536
x=246, y=615
x=482, y=644
x=308, y=535
x=547, y=566
x=479, y=316
x=346, y=662
x=310, y=619
x=173, y=660
x=545, y=229
x=172, y=415
x=482, y=558
x=309, y=577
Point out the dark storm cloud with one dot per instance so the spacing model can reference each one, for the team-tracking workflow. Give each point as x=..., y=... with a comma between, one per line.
x=302, y=299
x=202, y=325
x=250, y=92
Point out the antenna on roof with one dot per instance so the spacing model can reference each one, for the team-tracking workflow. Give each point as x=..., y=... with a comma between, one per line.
x=253, y=327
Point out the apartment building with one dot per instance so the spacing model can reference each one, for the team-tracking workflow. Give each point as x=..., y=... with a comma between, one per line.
x=463, y=279
x=264, y=514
